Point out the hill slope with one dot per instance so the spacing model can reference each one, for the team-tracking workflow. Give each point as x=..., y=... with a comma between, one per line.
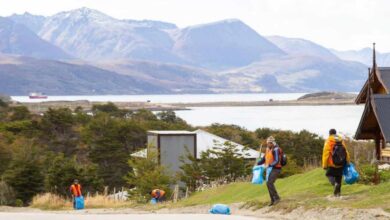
x=22, y=75
x=310, y=190
x=17, y=39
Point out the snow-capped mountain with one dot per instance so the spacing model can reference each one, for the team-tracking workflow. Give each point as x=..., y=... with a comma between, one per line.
x=90, y=34
x=223, y=56
x=17, y=39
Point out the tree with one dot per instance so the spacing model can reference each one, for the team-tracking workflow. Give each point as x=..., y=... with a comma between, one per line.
x=24, y=173
x=5, y=155
x=20, y=113
x=7, y=194
x=111, y=109
x=191, y=171
x=110, y=142
x=222, y=161
x=58, y=132
x=62, y=171
x=145, y=176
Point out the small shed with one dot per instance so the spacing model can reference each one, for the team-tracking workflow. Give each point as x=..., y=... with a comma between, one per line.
x=170, y=146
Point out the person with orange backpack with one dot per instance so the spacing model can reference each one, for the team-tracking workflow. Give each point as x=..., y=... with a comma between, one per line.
x=75, y=190
x=334, y=157
x=273, y=159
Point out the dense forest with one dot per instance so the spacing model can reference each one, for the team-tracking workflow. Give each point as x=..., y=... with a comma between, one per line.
x=44, y=153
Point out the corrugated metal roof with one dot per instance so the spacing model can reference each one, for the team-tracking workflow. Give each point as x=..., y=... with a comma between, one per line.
x=381, y=104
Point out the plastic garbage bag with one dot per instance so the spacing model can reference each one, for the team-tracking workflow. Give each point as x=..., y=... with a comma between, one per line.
x=220, y=209
x=258, y=174
x=268, y=172
x=350, y=174
x=79, y=202
x=153, y=201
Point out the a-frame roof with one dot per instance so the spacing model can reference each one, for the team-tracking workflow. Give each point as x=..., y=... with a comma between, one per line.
x=380, y=80
x=375, y=119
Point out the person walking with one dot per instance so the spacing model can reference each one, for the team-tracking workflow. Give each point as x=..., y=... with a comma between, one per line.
x=75, y=190
x=272, y=158
x=334, y=157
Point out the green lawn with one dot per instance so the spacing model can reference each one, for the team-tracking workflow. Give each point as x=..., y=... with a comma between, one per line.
x=310, y=189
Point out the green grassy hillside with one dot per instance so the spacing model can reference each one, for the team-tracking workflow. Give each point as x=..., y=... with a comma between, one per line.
x=310, y=190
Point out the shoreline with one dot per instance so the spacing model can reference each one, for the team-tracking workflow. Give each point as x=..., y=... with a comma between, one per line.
x=39, y=107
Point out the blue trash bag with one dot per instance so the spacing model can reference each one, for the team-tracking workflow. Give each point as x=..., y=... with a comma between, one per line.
x=153, y=201
x=79, y=202
x=220, y=209
x=351, y=176
x=258, y=174
x=268, y=172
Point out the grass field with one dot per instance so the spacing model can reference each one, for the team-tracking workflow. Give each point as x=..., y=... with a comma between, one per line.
x=311, y=190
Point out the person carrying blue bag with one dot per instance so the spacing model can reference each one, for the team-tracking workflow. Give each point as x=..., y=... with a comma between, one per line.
x=273, y=161
x=77, y=197
x=335, y=157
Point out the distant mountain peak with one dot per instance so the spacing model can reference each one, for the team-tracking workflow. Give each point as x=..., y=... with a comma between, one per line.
x=83, y=13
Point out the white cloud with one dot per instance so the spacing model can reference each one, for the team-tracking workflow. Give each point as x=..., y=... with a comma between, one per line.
x=340, y=24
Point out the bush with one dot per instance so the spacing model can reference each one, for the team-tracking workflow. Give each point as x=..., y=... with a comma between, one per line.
x=18, y=203
x=367, y=172
x=145, y=176
x=7, y=194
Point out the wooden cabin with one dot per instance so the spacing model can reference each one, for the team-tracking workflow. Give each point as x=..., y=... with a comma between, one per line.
x=375, y=121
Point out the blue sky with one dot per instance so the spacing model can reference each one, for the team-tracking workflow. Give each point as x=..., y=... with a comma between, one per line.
x=339, y=24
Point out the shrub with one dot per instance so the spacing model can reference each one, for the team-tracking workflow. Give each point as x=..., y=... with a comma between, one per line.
x=7, y=194
x=145, y=176
x=367, y=172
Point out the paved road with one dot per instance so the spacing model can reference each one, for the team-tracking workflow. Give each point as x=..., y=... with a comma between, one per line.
x=52, y=216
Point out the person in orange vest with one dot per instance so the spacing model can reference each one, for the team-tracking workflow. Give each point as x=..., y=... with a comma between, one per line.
x=334, y=169
x=158, y=194
x=272, y=158
x=75, y=190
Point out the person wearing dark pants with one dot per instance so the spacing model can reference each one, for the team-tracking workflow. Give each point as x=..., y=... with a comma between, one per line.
x=272, y=158
x=273, y=194
x=334, y=172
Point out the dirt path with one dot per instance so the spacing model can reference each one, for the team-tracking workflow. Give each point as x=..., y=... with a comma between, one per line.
x=73, y=216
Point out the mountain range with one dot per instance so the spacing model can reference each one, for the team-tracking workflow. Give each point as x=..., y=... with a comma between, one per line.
x=84, y=51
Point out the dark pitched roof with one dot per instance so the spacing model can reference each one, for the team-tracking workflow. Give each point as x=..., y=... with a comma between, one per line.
x=383, y=76
x=381, y=106
x=375, y=118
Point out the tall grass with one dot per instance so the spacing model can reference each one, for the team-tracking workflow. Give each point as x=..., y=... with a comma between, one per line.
x=49, y=201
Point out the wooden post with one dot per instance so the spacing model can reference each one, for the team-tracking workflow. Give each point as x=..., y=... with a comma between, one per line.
x=176, y=194
x=187, y=192
x=105, y=191
x=376, y=179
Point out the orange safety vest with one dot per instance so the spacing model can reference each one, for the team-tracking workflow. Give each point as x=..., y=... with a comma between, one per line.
x=75, y=189
x=269, y=158
x=156, y=192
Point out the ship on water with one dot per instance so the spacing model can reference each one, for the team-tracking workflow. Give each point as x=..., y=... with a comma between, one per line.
x=37, y=95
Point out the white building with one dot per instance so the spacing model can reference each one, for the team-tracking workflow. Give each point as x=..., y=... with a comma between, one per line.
x=170, y=146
